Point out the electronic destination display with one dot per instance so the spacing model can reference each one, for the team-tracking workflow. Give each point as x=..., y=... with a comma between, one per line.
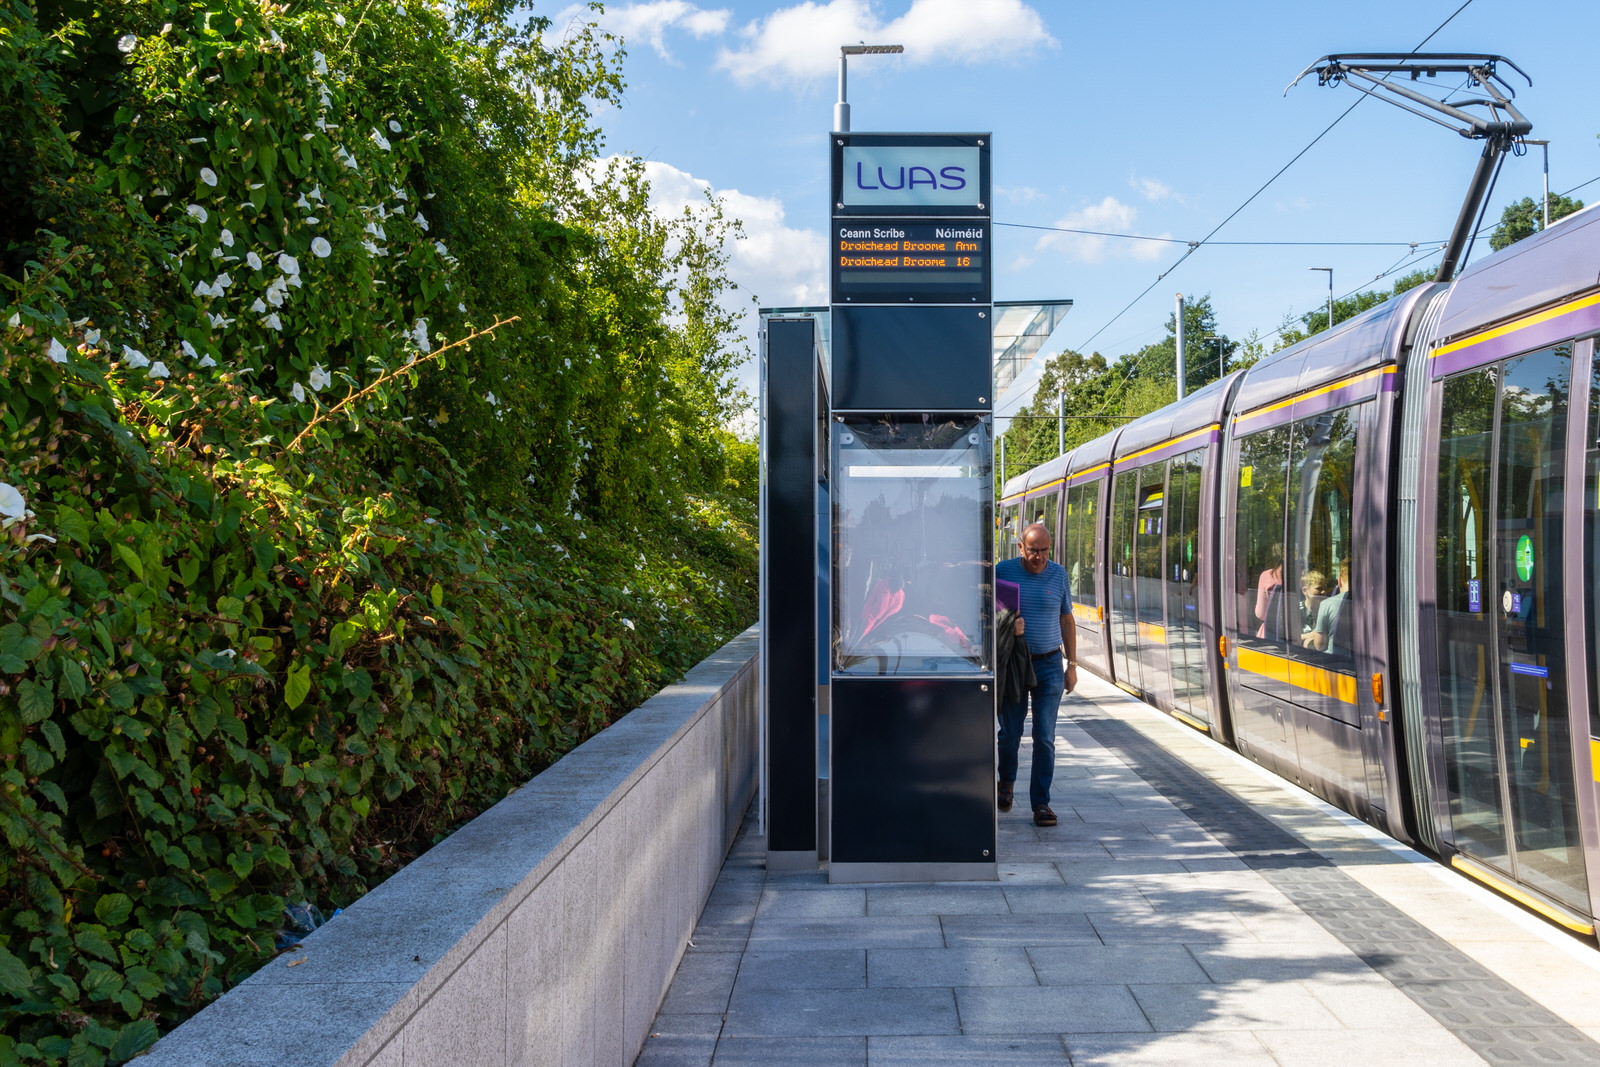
x=894, y=261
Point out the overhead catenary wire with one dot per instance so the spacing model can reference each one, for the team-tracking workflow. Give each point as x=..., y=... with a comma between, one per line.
x=1195, y=246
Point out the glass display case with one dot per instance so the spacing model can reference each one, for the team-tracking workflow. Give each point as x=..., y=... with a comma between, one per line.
x=913, y=583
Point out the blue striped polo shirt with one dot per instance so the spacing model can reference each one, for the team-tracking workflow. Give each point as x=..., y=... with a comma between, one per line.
x=1044, y=600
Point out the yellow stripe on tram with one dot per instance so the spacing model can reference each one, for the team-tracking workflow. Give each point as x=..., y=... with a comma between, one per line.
x=1149, y=631
x=1084, y=613
x=1518, y=324
x=1356, y=379
x=1594, y=758
x=1472, y=870
x=1300, y=675
x=1168, y=443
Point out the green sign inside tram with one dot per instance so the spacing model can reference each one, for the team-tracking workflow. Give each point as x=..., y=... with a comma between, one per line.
x=1525, y=558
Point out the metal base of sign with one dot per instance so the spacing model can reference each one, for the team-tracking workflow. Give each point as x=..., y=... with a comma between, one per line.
x=792, y=861
x=850, y=873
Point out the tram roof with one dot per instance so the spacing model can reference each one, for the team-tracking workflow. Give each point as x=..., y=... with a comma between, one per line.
x=1371, y=339
x=1199, y=409
x=1552, y=264
x=1049, y=471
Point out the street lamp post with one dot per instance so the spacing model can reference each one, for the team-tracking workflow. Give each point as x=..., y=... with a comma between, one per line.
x=841, y=109
x=1330, y=293
x=1546, y=146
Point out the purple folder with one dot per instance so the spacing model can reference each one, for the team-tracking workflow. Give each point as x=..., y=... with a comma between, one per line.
x=1007, y=595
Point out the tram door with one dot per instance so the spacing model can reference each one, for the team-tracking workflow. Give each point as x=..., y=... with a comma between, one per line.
x=1185, y=640
x=1120, y=552
x=1500, y=624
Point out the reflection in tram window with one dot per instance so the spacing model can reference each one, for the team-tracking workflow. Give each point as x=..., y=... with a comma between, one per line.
x=1591, y=547
x=1318, y=566
x=1259, y=538
x=1501, y=627
x=1120, y=549
x=1185, y=640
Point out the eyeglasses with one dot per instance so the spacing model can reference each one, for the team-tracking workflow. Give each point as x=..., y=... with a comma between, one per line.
x=1026, y=551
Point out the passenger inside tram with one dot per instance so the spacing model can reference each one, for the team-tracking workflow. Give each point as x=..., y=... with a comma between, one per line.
x=1314, y=590
x=1271, y=581
x=1324, y=635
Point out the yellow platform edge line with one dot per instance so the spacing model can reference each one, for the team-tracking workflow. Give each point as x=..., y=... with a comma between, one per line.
x=1509, y=890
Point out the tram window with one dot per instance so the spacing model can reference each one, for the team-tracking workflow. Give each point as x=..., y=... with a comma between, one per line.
x=1318, y=588
x=1083, y=569
x=1047, y=515
x=1591, y=530
x=1262, y=472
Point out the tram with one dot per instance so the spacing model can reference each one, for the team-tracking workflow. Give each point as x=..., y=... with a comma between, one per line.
x=1369, y=563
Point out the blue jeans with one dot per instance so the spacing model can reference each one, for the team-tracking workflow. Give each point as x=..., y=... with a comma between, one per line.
x=1045, y=696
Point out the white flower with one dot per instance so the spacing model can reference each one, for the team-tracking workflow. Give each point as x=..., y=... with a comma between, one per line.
x=288, y=264
x=58, y=351
x=93, y=337
x=629, y=624
x=461, y=308
x=226, y=237
x=272, y=322
x=254, y=261
x=377, y=231
x=490, y=400
x=419, y=334
x=312, y=220
x=222, y=282
x=303, y=204
x=320, y=62
x=320, y=378
x=371, y=248
x=218, y=320
x=126, y=42
x=216, y=253
x=258, y=307
x=320, y=247
x=275, y=293
x=438, y=246
x=188, y=349
x=230, y=653
x=298, y=393
x=134, y=358
x=208, y=176
x=158, y=369
x=399, y=193
x=197, y=140
x=379, y=139
x=197, y=211
x=12, y=507
x=207, y=361
x=338, y=19
x=316, y=193
x=420, y=221
x=15, y=320
x=394, y=127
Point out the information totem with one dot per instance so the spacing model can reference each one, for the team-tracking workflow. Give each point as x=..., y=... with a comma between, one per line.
x=912, y=701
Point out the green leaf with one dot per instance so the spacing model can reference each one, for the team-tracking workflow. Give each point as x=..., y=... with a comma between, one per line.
x=297, y=686
x=134, y=1039
x=131, y=558
x=34, y=701
x=14, y=977
x=113, y=909
x=437, y=595
x=73, y=684
x=52, y=735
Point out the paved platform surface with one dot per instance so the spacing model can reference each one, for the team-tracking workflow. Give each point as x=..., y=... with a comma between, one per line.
x=1189, y=908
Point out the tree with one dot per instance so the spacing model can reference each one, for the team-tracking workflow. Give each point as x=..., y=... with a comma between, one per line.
x=1072, y=380
x=1526, y=218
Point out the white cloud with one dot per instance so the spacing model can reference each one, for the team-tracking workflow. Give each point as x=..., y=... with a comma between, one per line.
x=801, y=43
x=1153, y=190
x=1109, y=216
x=648, y=21
x=1020, y=194
x=775, y=263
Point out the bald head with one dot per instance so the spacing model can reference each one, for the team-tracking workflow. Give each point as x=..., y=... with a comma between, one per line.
x=1035, y=548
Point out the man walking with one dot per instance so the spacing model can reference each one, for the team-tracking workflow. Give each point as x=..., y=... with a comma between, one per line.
x=1048, y=626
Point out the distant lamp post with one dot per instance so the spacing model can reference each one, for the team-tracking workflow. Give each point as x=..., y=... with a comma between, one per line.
x=841, y=110
x=1546, y=146
x=1222, y=365
x=1330, y=293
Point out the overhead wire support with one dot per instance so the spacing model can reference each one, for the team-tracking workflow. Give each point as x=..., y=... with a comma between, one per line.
x=1500, y=130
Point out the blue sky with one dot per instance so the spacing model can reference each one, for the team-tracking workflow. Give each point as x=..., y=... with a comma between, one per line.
x=1156, y=119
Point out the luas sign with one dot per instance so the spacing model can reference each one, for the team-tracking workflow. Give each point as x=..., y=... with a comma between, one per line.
x=922, y=176
x=910, y=175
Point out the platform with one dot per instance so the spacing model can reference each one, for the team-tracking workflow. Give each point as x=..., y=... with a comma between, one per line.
x=1189, y=908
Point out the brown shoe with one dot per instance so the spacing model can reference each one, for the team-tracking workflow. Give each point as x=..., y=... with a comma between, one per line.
x=1002, y=796
x=1043, y=816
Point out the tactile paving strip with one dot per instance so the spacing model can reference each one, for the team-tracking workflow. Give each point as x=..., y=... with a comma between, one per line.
x=1487, y=1013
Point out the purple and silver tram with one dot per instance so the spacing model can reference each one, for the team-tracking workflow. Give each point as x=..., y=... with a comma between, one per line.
x=1369, y=563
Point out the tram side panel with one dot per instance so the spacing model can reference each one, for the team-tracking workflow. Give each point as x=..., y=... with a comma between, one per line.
x=1081, y=511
